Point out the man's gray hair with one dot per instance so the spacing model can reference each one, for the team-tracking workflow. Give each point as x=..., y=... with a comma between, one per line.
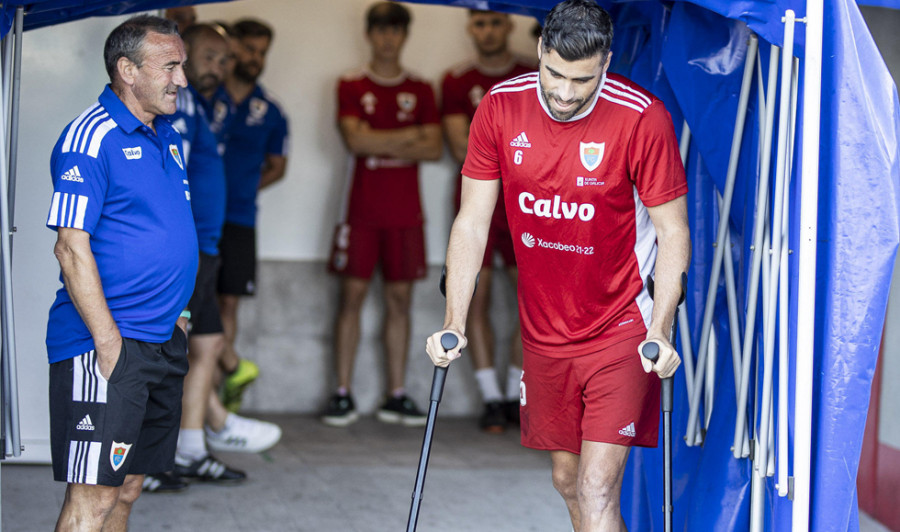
x=127, y=39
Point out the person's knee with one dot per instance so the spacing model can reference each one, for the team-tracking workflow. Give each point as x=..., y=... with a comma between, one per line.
x=131, y=489
x=353, y=294
x=228, y=304
x=91, y=502
x=565, y=481
x=398, y=300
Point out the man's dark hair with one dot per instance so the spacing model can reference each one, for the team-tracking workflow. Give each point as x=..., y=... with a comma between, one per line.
x=127, y=39
x=577, y=29
x=387, y=14
x=200, y=31
x=252, y=28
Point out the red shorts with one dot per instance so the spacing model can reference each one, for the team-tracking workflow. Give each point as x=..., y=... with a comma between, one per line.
x=357, y=250
x=603, y=397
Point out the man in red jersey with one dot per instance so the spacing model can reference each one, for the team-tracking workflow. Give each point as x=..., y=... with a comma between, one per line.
x=389, y=121
x=596, y=203
x=463, y=88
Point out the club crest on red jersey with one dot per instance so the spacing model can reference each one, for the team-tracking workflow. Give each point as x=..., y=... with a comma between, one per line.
x=476, y=93
x=406, y=101
x=591, y=154
x=368, y=102
x=118, y=453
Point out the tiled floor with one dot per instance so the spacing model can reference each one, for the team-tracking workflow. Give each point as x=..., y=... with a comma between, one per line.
x=357, y=479
x=319, y=478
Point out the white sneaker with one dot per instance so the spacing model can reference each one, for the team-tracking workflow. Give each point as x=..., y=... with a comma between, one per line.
x=243, y=435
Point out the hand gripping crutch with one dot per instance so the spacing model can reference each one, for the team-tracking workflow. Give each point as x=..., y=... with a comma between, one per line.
x=448, y=342
x=650, y=351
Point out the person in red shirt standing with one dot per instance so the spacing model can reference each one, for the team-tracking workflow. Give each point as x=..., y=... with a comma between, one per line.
x=463, y=88
x=595, y=193
x=389, y=121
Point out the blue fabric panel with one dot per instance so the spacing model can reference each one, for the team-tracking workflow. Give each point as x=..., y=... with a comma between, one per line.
x=858, y=238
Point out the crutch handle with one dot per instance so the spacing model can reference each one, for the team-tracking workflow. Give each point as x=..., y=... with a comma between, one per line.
x=650, y=351
x=448, y=342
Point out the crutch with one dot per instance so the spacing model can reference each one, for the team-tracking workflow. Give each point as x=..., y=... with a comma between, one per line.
x=650, y=351
x=448, y=342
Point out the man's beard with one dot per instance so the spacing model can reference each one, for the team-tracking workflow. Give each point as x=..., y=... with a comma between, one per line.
x=582, y=103
x=244, y=74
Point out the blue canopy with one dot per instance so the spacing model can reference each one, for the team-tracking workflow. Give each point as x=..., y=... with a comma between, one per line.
x=691, y=54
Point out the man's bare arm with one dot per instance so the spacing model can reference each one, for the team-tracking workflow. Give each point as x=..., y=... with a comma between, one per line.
x=411, y=142
x=427, y=146
x=82, y=280
x=456, y=128
x=673, y=257
x=273, y=170
x=468, y=238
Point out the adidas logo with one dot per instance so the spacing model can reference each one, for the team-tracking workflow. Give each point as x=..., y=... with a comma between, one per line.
x=628, y=431
x=521, y=141
x=85, y=423
x=73, y=175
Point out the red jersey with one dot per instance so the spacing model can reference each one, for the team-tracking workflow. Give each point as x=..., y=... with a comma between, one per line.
x=385, y=191
x=577, y=193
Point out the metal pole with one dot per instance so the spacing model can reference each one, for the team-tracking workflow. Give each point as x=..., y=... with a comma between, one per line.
x=758, y=248
x=781, y=180
x=14, y=116
x=806, y=286
x=11, y=435
x=740, y=119
x=733, y=323
x=783, y=327
x=687, y=351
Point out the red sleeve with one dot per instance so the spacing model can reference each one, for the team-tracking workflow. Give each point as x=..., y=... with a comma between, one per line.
x=348, y=100
x=482, y=159
x=428, y=111
x=654, y=161
x=454, y=102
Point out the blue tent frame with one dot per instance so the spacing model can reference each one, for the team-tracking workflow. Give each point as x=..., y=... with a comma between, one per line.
x=684, y=52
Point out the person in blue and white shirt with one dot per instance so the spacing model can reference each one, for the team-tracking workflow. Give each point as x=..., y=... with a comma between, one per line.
x=128, y=252
x=256, y=138
x=207, y=51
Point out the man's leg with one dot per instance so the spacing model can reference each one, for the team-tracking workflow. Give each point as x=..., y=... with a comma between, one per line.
x=514, y=370
x=397, y=297
x=565, y=480
x=203, y=355
x=346, y=334
x=228, y=306
x=86, y=507
x=479, y=333
x=600, y=472
x=117, y=521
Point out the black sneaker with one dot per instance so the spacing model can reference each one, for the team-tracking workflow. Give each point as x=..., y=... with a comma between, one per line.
x=512, y=412
x=209, y=469
x=401, y=410
x=340, y=412
x=493, y=419
x=167, y=482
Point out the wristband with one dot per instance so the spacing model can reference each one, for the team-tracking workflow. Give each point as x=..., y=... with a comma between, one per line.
x=185, y=314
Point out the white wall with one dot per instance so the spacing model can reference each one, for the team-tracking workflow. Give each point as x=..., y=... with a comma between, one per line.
x=315, y=41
